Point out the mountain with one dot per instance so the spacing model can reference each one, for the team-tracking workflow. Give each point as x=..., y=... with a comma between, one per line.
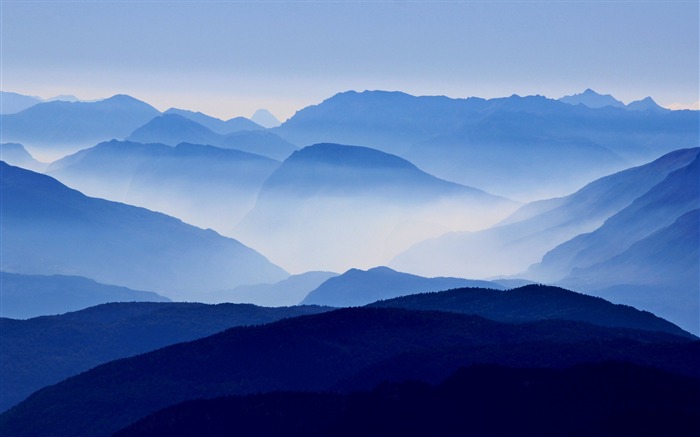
x=591, y=399
x=173, y=129
x=347, y=349
x=45, y=350
x=264, y=118
x=217, y=125
x=206, y=186
x=592, y=99
x=337, y=207
x=11, y=103
x=290, y=291
x=536, y=228
x=48, y=229
x=357, y=287
x=15, y=154
x=531, y=303
x=520, y=147
x=646, y=104
x=57, y=128
x=25, y=296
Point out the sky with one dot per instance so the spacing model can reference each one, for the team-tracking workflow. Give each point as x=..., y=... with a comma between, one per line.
x=229, y=58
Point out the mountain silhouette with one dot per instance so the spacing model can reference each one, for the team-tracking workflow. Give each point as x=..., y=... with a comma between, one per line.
x=173, y=129
x=206, y=186
x=264, y=118
x=15, y=154
x=646, y=104
x=531, y=303
x=521, y=147
x=338, y=207
x=59, y=127
x=49, y=229
x=290, y=291
x=13, y=103
x=592, y=399
x=25, y=296
x=592, y=99
x=354, y=348
x=217, y=125
x=45, y=350
x=357, y=287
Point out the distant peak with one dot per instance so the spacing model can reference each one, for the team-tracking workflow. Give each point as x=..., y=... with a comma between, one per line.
x=264, y=118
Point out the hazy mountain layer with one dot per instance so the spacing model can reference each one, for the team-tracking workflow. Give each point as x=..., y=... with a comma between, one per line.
x=48, y=229
x=335, y=207
x=350, y=349
x=217, y=125
x=173, y=128
x=521, y=147
x=524, y=237
x=42, y=351
x=13, y=103
x=203, y=185
x=290, y=291
x=357, y=287
x=15, y=154
x=25, y=296
x=53, y=129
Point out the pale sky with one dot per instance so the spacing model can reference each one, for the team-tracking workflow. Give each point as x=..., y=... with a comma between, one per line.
x=229, y=58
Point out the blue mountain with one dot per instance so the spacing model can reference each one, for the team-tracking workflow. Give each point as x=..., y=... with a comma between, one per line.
x=264, y=118
x=13, y=103
x=215, y=124
x=173, y=129
x=206, y=186
x=25, y=296
x=337, y=207
x=60, y=127
x=16, y=154
x=357, y=287
x=592, y=99
x=48, y=229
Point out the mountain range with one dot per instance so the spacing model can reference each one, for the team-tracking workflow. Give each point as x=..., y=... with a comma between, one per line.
x=206, y=186
x=336, y=207
x=25, y=296
x=520, y=147
x=45, y=350
x=173, y=128
x=592, y=99
x=342, y=350
x=215, y=124
x=49, y=228
x=357, y=287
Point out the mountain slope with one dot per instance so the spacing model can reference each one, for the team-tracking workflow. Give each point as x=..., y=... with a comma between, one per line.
x=48, y=228
x=531, y=303
x=42, y=351
x=174, y=128
x=592, y=99
x=57, y=128
x=217, y=125
x=13, y=103
x=203, y=185
x=25, y=296
x=319, y=352
x=528, y=234
x=338, y=207
x=356, y=287
x=15, y=154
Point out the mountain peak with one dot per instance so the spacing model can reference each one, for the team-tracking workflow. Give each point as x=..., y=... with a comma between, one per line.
x=592, y=99
x=264, y=118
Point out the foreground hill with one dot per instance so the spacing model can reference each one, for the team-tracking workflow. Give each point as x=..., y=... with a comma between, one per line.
x=338, y=206
x=349, y=348
x=521, y=147
x=42, y=351
x=48, y=229
x=534, y=302
x=205, y=186
x=593, y=399
x=58, y=127
x=357, y=287
x=536, y=228
x=25, y=296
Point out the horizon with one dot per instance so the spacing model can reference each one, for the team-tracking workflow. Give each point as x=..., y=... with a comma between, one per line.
x=229, y=59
